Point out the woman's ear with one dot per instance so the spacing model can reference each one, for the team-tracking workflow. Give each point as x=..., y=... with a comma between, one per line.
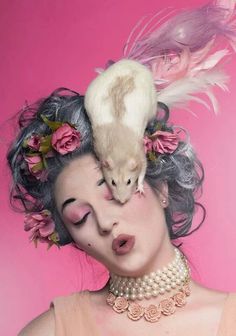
x=163, y=194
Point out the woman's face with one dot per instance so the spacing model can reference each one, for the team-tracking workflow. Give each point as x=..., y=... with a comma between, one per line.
x=95, y=220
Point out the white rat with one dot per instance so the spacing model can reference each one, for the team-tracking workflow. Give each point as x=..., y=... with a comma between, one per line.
x=120, y=102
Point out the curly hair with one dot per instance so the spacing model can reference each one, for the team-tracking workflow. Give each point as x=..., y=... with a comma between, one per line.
x=181, y=170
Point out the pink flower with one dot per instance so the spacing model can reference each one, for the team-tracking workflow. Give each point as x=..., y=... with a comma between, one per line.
x=147, y=144
x=36, y=167
x=161, y=142
x=164, y=142
x=40, y=224
x=66, y=139
x=34, y=142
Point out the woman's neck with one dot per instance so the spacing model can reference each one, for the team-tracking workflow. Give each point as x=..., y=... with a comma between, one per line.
x=165, y=280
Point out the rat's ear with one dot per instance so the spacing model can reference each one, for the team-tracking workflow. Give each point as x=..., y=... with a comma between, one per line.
x=108, y=163
x=132, y=164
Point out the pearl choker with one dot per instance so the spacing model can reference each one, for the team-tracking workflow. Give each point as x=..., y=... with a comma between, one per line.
x=164, y=280
x=175, y=276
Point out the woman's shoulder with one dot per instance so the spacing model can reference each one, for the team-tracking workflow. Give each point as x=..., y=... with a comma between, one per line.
x=44, y=324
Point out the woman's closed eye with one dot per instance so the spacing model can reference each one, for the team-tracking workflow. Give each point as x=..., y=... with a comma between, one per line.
x=101, y=181
x=83, y=220
x=107, y=195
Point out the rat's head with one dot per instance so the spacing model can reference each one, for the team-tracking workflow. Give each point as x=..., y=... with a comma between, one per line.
x=121, y=178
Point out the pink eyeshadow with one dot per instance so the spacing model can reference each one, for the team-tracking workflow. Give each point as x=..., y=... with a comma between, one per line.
x=76, y=213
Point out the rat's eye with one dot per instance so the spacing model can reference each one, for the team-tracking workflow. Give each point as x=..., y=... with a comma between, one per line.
x=129, y=181
x=113, y=182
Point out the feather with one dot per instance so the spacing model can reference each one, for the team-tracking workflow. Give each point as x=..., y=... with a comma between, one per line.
x=183, y=52
x=185, y=89
x=192, y=29
x=145, y=28
x=210, y=61
x=228, y=5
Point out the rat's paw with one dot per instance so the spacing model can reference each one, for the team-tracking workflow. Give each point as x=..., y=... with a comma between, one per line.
x=140, y=189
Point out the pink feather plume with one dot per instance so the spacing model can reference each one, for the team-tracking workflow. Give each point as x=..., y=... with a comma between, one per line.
x=183, y=52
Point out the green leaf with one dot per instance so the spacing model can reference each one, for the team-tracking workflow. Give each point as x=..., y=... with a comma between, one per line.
x=37, y=167
x=54, y=125
x=152, y=156
x=45, y=144
x=33, y=153
x=45, y=165
x=25, y=143
x=158, y=127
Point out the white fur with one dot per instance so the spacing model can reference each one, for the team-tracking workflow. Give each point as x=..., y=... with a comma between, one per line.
x=135, y=108
x=140, y=104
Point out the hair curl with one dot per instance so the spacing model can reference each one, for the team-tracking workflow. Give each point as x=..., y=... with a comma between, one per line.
x=181, y=170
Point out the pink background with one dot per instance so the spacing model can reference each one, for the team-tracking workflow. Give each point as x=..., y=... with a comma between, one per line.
x=48, y=44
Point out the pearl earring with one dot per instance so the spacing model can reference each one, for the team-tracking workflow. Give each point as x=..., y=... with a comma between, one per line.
x=164, y=202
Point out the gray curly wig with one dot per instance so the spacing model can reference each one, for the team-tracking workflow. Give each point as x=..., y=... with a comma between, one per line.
x=181, y=170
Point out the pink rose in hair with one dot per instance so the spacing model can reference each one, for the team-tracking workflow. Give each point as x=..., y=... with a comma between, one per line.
x=36, y=167
x=164, y=142
x=40, y=224
x=161, y=142
x=34, y=142
x=147, y=144
x=66, y=139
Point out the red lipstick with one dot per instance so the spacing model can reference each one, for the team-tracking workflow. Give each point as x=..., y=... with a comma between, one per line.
x=123, y=244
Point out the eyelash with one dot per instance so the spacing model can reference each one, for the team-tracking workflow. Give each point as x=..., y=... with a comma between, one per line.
x=100, y=182
x=83, y=220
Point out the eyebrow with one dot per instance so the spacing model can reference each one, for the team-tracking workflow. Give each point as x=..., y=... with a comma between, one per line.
x=72, y=199
x=66, y=202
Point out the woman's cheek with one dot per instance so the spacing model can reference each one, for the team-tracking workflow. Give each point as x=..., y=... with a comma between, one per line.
x=140, y=204
x=107, y=194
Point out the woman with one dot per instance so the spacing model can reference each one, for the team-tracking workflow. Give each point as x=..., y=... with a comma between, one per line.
x=59, y=181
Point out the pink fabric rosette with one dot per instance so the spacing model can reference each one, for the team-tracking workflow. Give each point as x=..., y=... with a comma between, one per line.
x=66, y=139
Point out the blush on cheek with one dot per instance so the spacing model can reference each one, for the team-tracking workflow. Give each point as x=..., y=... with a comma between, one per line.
x=107, y=194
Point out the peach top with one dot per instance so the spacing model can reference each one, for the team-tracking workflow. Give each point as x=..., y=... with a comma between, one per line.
x=73, y=318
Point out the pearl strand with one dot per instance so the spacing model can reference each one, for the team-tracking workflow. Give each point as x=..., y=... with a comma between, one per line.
x=170, y=277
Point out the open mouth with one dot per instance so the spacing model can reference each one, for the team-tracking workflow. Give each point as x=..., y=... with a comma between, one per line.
x=123, y=244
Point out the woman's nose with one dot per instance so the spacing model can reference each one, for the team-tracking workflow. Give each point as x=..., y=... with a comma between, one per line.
x=106, y=219
x=106, y=224
x=106, y=213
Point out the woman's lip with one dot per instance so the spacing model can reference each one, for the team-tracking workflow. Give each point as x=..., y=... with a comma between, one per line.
x=123, y=244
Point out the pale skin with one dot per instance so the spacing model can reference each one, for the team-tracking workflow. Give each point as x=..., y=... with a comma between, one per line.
x=81, y=182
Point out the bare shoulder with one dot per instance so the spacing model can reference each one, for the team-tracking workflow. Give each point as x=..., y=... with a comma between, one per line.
x=208, y=296
x=42, y=325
